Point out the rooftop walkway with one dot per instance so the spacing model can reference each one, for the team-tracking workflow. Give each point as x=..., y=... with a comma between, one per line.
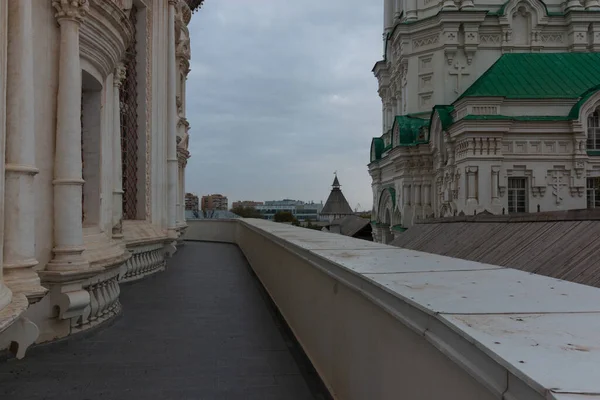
x=201, y=330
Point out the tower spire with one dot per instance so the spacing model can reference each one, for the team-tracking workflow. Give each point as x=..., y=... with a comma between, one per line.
x=336, y=182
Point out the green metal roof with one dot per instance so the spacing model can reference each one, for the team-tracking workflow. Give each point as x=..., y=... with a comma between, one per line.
x=376, y=143
x=408, y=129
x=445, y=114
x=538, y=76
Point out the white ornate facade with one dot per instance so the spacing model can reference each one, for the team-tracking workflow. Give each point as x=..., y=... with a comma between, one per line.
x=93, y=147
x=461, y=133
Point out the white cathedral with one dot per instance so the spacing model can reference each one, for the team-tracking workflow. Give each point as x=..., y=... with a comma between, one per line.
x=93, y=148
x=486, y=107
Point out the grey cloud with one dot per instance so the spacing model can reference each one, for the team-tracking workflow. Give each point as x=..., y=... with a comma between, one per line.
x=281, y=95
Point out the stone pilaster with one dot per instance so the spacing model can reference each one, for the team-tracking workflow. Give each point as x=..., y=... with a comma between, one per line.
x=19, y=247
x=117, y=206
x=5, y=293
x=68, y=181
x=172, y=118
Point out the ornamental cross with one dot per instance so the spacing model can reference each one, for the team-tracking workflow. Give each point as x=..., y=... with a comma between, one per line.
x=459, y=71
x=557, y=184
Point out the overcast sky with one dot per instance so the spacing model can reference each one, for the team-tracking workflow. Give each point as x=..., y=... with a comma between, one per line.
x=281, y=95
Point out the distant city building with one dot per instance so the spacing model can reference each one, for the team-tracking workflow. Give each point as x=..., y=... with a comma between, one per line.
x=192, y=202
x=301, y=210
x=246, y=203
x=214, y=202
x=336, y=205
x=192, y=206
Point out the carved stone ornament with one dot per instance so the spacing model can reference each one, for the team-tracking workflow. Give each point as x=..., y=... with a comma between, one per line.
x=119, y=75
x=118, y=228
x=75, y=10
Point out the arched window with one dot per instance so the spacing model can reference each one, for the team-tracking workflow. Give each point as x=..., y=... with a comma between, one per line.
x=135, y=126
x=129, y=126
x=593, y=131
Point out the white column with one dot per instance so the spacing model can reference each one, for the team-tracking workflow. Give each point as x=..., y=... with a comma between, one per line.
x=418, y=195
x=183, y=192
x=19, y=199
x=397, y=10
x=68, y=181
x=411, y=10
x=388, y=15
x=172, y=125
x=178, y=208
x=117, y=205
x=5, y=293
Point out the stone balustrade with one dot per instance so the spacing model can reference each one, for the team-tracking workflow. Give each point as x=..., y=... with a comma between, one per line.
x=104, y=302
x=387, y=323
x=145, y=260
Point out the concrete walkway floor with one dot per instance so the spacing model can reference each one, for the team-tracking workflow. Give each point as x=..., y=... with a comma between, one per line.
x=201, y=330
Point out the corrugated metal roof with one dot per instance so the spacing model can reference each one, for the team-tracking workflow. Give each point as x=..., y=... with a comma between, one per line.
x=560, y=245
x=538, y=75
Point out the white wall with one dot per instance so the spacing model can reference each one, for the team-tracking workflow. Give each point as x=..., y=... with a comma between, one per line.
x=379, y=322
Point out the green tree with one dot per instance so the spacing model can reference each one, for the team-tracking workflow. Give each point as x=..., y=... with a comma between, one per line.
x=246, y=212
x=284, y=216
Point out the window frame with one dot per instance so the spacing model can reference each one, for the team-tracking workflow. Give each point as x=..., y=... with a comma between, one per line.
x=593, y=131
x=513, y=192
x=592, y=192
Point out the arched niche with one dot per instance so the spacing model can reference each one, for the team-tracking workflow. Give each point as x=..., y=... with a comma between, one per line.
x=385, y=208
x=588, y=114
x=536, y=9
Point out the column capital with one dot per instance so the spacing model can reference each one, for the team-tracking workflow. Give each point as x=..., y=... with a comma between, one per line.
x=74, y=10
x=119, y=75
x=173, y=2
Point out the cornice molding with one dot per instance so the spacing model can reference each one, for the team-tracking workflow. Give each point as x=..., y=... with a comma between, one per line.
x=104, y=36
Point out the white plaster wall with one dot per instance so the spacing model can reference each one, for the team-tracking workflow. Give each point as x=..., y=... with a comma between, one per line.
x=93, y=133
x=536, y=174
x=411, y=340
x=360, y=351
x=212, y=231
